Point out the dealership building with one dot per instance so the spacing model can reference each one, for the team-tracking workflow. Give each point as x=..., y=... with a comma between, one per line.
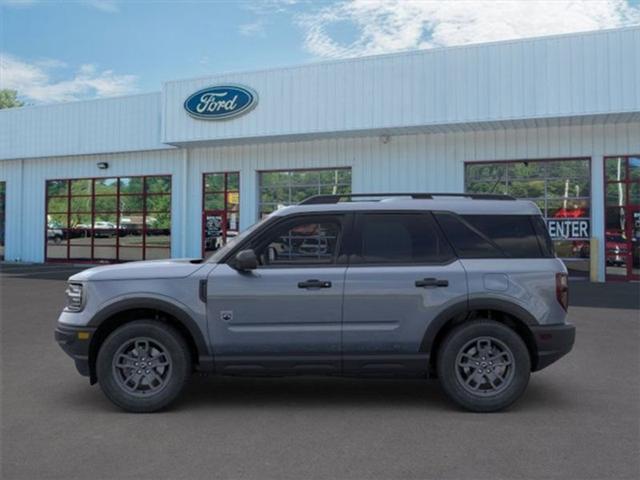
x=177, y=172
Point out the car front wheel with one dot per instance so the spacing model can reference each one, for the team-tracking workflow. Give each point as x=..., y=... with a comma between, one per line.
x=483, y=366
x=143, y=366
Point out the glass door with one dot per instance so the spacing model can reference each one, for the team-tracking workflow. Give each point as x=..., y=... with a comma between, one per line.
x=622, y=218
x=634, y=244
x=220, y=209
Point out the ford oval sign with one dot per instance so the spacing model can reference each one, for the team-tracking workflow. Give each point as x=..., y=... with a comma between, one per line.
x=221, y=102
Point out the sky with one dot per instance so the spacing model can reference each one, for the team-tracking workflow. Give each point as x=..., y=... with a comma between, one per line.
x=57, y=51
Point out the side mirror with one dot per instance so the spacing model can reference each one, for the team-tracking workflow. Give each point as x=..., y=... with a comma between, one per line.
x=246, y=260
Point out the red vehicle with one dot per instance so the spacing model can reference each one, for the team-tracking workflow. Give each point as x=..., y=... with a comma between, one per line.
x=616, y=248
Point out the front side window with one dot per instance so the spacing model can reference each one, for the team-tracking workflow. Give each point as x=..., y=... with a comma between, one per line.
x=403, y=238
x=305, y=241
x=281, y=188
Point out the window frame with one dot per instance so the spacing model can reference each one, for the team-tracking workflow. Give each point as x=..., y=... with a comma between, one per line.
x=546, y=178
x=561, y=246
x=355, y=250
x=627, y=207
x=225, y=191
x=118, y=213
x=289, y=185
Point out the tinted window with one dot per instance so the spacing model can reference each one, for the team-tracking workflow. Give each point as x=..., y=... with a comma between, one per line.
x=486, y=236
x=514, y=234
x=401, y=238
x=469, y=243
x=305, y=241
x=544, y=239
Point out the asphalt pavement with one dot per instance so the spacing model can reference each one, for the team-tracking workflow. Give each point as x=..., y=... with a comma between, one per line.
x=579, y=419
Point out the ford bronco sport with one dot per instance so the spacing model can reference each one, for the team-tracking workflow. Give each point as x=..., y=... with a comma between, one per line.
x=465, y=288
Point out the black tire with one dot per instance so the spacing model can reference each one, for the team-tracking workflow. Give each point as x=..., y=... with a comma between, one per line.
x=460, y=358
x=161, y=384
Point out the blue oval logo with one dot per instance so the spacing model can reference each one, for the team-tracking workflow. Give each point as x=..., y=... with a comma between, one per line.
x=221, y=102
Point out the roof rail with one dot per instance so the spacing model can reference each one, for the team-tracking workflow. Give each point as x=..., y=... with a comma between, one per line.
x=320, y=199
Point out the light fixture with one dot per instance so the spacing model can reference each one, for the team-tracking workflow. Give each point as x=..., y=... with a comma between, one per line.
x=102, y=165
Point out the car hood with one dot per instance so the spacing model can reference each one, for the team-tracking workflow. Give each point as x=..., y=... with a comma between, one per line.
x=151, y=269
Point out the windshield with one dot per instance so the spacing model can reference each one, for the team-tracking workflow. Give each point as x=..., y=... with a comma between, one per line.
x=216, y=256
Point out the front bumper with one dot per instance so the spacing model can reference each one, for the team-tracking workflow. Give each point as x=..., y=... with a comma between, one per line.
x=552, y=342
x=75, y=342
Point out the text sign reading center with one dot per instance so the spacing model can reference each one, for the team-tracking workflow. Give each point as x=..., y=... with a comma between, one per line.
x=568, y=228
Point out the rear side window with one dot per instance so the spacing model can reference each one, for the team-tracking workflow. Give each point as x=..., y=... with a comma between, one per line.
x=487, y=236
x=546, y=244
x=468, y=242
x=513, y=234
x=392, y=238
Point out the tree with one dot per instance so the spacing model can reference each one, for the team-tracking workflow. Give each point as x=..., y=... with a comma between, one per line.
x=9, y=99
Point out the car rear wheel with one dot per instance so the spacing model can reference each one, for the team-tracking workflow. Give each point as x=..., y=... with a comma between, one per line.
x=143, y=366
x=483, y=366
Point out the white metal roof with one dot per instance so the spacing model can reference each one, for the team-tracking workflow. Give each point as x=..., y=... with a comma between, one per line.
x=575, y=79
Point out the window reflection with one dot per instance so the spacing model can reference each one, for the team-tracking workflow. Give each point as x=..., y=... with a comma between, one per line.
x=109, y=219
x=281, y=188
x=221, y=209
x=622, y=217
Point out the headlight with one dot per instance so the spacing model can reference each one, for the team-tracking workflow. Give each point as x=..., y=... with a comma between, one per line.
x=74, y=297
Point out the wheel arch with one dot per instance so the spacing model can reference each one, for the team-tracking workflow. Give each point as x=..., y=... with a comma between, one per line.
x=507, y=313
x=124, y=311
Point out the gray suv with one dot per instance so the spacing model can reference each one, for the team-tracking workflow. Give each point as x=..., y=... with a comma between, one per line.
x=465, y=288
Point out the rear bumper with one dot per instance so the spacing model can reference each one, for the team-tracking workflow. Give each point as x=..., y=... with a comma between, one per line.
x=552, y=342
x=76, y=346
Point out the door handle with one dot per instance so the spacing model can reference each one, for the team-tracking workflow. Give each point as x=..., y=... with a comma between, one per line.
x=314, y=284
x=431, y=282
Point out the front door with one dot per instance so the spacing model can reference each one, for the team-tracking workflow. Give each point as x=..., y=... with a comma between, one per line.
x=402, y=276
x=286, y=314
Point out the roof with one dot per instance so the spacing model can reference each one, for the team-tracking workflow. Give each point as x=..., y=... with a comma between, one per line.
x=574, y=79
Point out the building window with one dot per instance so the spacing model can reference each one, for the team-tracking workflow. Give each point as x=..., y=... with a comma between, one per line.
x=622, y=217
x=282, y=188
x=220, y=209
x=109, y=219
x=3, y=187
x=561, y=189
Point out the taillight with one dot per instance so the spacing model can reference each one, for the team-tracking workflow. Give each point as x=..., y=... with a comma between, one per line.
x=562, y=290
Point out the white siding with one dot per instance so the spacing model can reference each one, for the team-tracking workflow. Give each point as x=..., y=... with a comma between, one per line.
x=26, y=206
x=11, y=173
x=417, y=162
x=421, y=162
x=565, y=76
x=96, y=126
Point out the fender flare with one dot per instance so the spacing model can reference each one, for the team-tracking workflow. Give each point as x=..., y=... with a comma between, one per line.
x=205, y=358
x=464, y=307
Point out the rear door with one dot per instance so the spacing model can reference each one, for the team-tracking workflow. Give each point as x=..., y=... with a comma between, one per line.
x=402, y=274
